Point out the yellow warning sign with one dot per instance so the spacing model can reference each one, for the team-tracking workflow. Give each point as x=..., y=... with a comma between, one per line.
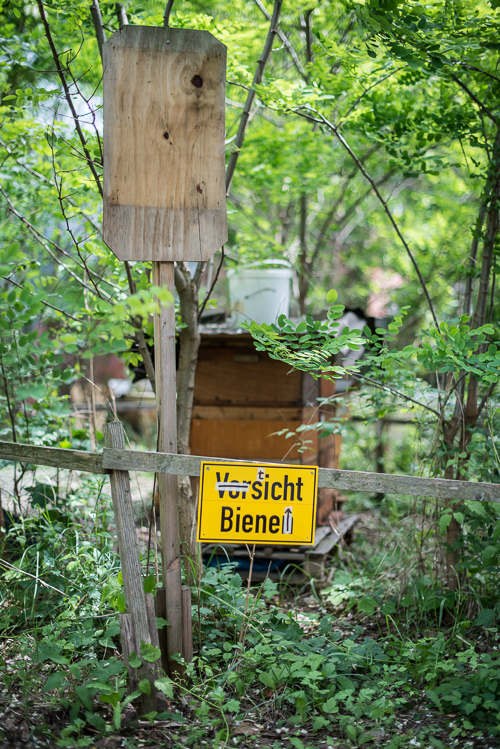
x=263, y=504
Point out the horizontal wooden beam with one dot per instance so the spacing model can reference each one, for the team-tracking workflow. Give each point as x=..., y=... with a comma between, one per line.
x=328, y=478
x=190, y=465
x=59, y=457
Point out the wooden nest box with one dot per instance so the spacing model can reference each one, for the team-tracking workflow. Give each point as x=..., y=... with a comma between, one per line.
x=243, y=399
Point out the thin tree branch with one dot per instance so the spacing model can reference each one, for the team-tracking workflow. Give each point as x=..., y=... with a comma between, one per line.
x=286, y=42
x=10, y=566
x=67, y=95
x=212, y=286
x=168, y=10
x=336, y=132
x=485, y=398
x=474, y=98
x=95, y=12
x=261, y=64
x=47, y=304
x=479, y=70
x=46, y=247
x=121, y=14
x=41, y=239
x=390, y=389
x=360, y=97
x=48, y=181
x=306, y=25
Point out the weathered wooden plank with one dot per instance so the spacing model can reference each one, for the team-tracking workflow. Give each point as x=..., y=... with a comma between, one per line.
x=328, y=478
x=58, y=457
x=189, y=465
x=187, y=625
x=135, y=597
x=164, y=176
x=127, y=638
x=247, y=413
x=222, y=379
x=333, y=537
x=239, y=438
x=166, y=407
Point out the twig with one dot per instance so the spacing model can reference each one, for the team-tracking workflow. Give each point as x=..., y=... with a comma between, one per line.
x=322, y=120
x=95, y=12
x=261, y=64
x=168, y=10
x=380, y=385
x=67, y=95
x=286, y=42
x=47, y=304
x=212, y=285
x=43, y=240
x=474, y=98
x=10, y=566
x=45, y=245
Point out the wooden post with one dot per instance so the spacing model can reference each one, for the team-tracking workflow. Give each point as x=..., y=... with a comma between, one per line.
x=187, y=625
x=166, y=411
x=130, y=564
x=127, y=637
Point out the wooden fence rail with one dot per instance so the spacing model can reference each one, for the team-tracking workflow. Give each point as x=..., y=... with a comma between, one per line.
x=189, y=465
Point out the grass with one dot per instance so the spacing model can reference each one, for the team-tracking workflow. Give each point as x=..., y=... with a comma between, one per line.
x=382, y=656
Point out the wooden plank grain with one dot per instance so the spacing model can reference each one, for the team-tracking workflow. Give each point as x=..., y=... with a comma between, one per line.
x=328, y=478
x=248, y=439
x=129, y=558
x=164, y=122
x=164, y=336
x=189, y=465
x=58, y=457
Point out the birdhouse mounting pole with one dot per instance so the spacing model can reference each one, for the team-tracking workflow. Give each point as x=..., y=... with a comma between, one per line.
x=166, y=413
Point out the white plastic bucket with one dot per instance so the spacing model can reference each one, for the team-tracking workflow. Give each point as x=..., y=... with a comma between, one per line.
x=259, y=294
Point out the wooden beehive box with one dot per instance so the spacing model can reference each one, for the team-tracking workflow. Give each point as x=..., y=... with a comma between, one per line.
x=242, y=397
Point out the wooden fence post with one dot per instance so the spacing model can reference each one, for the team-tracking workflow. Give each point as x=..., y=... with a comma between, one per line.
x=166, y=406
x=137, y=626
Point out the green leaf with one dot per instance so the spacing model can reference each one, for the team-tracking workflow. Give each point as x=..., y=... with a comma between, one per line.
x=477, y=508
x=351, y=731
x=84, y=695
x=331, y=705
x=367, y=605
x=444, y=522
x=145, y=686
x=485, y=618
x=166, y=686
x=54, y=681
x=267, y=678
x=117, y=716
x=232, y=706
x=149, y=652
x=331, y=297
x=111, y=699
x=134, y=661
x=149, y=583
